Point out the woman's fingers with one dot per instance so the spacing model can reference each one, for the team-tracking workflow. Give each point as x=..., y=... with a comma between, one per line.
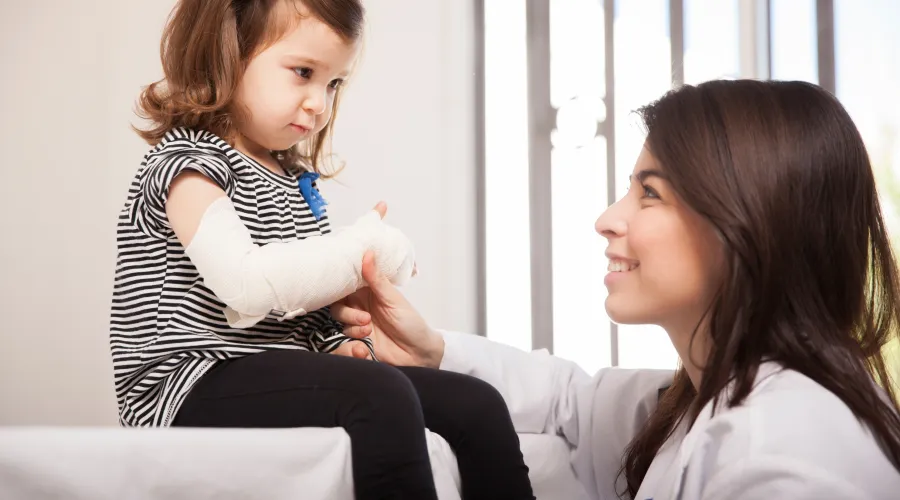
x=350, y=316
x=357, y=323
x=358, y=332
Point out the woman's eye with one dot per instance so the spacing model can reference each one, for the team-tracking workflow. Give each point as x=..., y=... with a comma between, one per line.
x=649, y=192
x=305, y=73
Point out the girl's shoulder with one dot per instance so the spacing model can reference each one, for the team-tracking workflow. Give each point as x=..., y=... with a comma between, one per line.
x=186, y=149
x=189, y=142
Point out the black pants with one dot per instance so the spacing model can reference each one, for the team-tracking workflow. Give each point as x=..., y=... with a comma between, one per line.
x=384, y=410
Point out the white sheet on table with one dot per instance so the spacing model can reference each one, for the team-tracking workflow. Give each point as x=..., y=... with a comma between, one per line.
x=172, y=464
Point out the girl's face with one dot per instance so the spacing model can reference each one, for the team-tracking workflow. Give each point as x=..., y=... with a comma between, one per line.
x=665, y=260
x=288, y=88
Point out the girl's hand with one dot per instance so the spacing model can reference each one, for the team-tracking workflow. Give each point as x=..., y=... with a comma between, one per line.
x=399, y=333
x=381, y=208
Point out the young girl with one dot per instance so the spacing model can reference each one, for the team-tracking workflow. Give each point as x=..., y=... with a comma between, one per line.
x=752, y=233
x=227, y=264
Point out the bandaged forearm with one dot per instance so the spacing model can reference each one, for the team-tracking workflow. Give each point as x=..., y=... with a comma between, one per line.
x=290, y=278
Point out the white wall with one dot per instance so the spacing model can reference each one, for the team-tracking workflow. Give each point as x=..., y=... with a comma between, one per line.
x=71, y=72
x=406, y=132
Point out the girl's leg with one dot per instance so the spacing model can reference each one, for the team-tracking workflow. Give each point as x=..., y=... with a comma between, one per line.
x=472, y=416
x=374, y=402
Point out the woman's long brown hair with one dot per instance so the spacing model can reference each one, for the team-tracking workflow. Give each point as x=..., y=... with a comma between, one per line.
x=205, y=48
x=781, y=172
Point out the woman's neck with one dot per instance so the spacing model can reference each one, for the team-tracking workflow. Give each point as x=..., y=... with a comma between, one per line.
x=690, y=341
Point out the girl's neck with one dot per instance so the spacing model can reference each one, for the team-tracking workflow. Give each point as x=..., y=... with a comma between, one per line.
x=258, y=153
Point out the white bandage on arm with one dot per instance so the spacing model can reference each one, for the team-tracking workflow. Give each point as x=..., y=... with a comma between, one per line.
x=294, y=277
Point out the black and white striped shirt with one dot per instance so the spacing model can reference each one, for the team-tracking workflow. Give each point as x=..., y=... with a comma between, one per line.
x=167, y=328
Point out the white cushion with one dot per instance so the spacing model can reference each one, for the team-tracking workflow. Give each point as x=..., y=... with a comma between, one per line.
x=98, y=463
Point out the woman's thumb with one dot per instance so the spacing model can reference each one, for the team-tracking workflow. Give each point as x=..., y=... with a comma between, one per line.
x=370, y=273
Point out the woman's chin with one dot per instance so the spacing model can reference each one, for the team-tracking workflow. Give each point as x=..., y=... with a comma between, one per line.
x=622, y=312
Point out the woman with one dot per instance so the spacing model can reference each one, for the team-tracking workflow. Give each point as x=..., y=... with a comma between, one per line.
x=753, y=234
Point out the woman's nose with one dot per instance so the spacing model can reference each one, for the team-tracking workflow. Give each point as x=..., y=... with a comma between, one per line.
x=612, y=222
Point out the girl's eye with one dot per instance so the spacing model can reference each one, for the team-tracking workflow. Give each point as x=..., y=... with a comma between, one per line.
x=336, y=84
x=304, y=73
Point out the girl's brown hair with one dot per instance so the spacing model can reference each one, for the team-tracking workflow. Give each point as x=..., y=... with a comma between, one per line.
x=205, y=48
x=781, y=172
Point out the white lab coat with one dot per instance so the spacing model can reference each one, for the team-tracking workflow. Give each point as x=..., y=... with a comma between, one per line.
x=790, y=439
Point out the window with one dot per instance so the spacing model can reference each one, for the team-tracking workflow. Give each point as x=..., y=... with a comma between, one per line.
x=562, y=79
x=867, y=69
x=643, y=72
x=506, y=231
x=578, y=175
x=711, y=40
x=794, y=42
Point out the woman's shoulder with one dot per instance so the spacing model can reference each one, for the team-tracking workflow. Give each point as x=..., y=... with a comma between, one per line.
x=791, y=418
x=786, y=409
x=778, y=389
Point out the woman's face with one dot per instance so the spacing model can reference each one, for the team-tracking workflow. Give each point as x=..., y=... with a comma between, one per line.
x=665, y=259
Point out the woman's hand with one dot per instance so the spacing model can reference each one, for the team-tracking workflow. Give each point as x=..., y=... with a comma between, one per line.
x=399, y=333
x=352, y=349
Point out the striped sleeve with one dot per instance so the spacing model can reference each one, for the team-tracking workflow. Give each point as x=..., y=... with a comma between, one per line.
x=148, y=209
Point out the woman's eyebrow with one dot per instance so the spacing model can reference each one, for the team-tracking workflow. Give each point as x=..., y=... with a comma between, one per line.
x=643, y=175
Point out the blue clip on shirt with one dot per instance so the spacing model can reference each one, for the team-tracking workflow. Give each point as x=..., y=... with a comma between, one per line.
x=311, y=195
